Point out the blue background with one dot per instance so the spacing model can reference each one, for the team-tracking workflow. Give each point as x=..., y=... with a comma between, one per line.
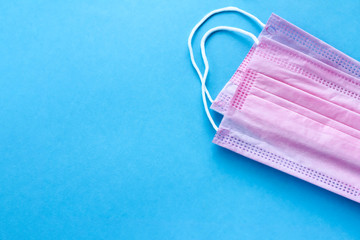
x=103, y=134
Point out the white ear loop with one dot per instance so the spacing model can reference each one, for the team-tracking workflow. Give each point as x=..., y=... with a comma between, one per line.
x=204, y=19
x=206, y=63
x=204, y=91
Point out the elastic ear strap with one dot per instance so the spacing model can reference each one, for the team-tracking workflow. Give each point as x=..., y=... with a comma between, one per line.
x=204, y=19
x=206, y=63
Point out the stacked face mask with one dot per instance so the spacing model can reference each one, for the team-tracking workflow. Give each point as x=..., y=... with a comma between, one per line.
x=293, y=104
x=282, y=31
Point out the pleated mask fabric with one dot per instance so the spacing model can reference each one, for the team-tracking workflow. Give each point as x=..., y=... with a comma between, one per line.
x=292, y=36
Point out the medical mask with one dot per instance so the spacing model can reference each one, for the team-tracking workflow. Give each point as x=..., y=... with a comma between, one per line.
x=295, y=107
x=284, y=32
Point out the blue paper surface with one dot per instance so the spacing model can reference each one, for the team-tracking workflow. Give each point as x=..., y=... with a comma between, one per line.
x=103, y=134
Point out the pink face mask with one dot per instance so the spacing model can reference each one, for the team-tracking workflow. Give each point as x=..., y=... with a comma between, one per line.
x=296, y=110
x=286, y=33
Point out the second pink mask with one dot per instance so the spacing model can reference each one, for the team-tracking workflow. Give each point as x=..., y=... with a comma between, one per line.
x=299, y=115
